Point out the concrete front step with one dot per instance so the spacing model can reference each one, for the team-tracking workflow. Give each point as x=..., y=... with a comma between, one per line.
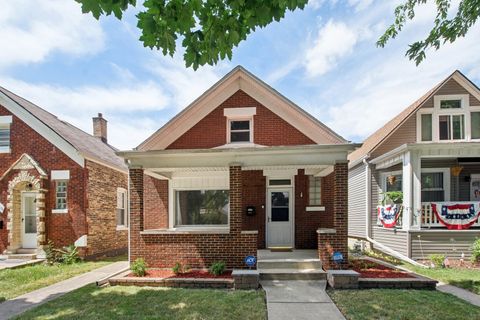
x=292, y=274
x=22, y=256
x=26, y=251
x=299, y=264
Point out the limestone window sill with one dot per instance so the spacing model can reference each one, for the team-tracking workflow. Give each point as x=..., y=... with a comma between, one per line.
x=188, y=231
x=314, y=208
x=60, y=211
x=326, y=231
x=122, y=228
x=5, y=150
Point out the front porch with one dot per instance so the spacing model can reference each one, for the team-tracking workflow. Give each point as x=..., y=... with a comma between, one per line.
x=197, y=207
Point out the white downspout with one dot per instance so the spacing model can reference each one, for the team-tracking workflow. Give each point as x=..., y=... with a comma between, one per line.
x=384, y=248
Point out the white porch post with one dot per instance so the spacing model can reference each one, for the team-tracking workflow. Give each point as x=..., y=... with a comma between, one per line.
x=407, y=172
x=416, y=163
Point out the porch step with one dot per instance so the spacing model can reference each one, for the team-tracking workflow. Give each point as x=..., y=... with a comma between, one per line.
x=26, y=251
x=22, y=256
x=292, y=274
x=299, y=264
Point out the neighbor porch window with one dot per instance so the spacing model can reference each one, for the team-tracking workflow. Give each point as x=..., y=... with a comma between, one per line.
x=121, y=207
x=451, y=127
x=433, y=186
x=61, y=194
x=202, y=207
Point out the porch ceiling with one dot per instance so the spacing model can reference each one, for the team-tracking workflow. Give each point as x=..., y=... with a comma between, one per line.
x=297, y=156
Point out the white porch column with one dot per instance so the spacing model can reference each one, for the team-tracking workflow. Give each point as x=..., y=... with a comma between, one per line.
x=416, y=163
x=407, y=173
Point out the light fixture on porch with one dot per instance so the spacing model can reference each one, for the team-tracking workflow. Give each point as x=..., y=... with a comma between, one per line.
x=29, y=187
x=391, y=179
x=455, y=170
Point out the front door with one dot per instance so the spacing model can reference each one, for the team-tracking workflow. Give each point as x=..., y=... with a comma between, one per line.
x=29, y=220
x=279, y=218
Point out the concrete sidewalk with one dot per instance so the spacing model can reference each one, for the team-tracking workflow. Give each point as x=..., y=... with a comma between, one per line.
x=18, y=305
x=460, y=293
x=299, y=300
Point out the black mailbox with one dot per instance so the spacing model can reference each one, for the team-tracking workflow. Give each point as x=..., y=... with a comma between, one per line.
x=250, y=211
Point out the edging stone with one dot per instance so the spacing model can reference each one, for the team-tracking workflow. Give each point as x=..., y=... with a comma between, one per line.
x=343, y=279
x=245, y=279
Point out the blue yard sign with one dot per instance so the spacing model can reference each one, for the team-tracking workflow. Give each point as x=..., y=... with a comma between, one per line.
x=337, y=257
x=250, y=261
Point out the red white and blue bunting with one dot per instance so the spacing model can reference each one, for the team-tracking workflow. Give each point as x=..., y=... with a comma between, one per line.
x=389, y=214
x=456, y=216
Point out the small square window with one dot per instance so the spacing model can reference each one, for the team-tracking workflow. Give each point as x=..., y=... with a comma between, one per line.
x=240, y=131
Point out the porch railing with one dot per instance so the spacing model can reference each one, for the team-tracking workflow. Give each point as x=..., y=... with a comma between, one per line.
x=429, y=219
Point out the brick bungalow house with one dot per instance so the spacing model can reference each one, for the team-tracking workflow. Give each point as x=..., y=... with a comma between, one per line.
x=242, y=168
x=58, y=183
x=430, y=152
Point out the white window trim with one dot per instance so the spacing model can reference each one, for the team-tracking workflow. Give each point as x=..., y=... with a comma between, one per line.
x=6, y=122
x=125, y=224
x=436, y=112
x=240, y=114
x=172, y=216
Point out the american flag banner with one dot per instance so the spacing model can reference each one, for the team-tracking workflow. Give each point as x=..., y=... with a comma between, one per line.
x=456, y=216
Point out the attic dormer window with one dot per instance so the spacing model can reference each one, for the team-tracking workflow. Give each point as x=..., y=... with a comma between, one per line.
x=240, y=124
x=240, y=131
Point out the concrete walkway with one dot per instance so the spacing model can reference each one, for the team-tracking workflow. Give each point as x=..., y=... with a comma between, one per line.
x=16, y=263
x=299, y=300
x=18, y=305
x=459, y=293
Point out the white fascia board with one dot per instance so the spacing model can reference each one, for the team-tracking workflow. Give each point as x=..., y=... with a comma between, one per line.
x=275, y=156
x=42, y=129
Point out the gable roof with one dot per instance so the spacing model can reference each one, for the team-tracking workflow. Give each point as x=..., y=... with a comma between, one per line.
x=240, y=79
x=379, y=136
x=74, y=142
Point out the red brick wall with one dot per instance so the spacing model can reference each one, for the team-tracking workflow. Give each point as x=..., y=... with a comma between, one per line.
x=307, y=222
x=63, y=229
x=269, y=129
x=103, y=236
x=155, y=202
x=254, y=194
x=196, y=250
x=332, y=242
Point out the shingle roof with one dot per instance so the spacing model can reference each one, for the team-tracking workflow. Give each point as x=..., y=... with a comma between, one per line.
x=384, y=132
x=86, y=144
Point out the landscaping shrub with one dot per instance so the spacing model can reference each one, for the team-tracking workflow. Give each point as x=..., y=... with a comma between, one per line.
x=437, y=260
x=475, y=251
x=53, y=255
x=139, y=267
x=70, y=255
x=217, y=268
x=177, y=268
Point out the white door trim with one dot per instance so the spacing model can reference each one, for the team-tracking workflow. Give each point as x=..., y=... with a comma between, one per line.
x=29, y=240
x=291, y=210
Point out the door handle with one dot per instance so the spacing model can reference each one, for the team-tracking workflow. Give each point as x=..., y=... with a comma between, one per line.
x=269, y=220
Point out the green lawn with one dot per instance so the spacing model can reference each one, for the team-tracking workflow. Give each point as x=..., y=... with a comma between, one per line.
x=390, y=304
x=468, y=279
x=119, y=302
x=15, y=282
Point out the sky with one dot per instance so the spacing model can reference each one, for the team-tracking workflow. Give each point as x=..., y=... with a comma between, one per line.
x=323, y=58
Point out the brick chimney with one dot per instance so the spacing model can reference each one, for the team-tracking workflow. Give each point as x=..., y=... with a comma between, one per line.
x=100, y=127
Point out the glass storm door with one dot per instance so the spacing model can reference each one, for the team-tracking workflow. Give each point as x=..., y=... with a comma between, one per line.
x=29, y=221
x=279, y=218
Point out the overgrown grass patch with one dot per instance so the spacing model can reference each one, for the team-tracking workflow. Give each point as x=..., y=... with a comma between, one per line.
x=132, y=302
x=402, y=304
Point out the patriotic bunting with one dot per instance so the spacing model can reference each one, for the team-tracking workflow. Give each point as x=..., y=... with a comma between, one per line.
x=456, y=216
x=389, y=214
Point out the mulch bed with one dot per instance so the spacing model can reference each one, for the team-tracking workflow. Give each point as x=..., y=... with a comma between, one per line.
x=195, y=274
x=370, y=269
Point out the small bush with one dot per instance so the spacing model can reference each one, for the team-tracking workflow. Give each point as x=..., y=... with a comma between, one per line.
x=53, y=255
x=437, y=260
x=139, y=267
x=70, y=255
x=217, y=268
x=177, y=268
x=475, y=251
